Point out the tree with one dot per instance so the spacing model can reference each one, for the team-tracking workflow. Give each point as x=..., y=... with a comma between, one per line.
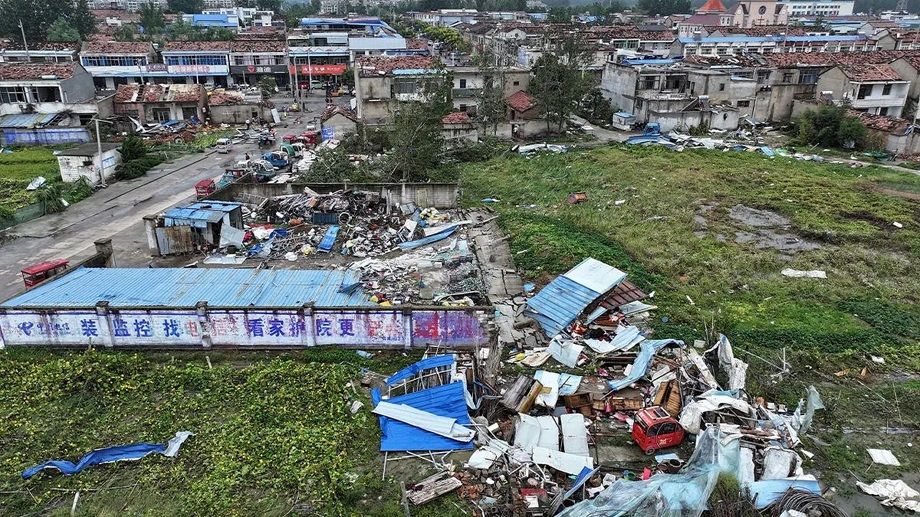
x=596, y=108
x=185, y=6
x=664, y=7
x=558, y=87
x=82, y=19
x=37, y=16
x=269, y=5
x=416, y=137
x=132, y=147
x=268, y=85
x=151, y=18
x=831, y=126
x=491, y=99
x=62, y=30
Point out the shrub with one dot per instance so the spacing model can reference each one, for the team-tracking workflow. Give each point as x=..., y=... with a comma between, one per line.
x=136, y=168
x=132, y=148
x=830, y=126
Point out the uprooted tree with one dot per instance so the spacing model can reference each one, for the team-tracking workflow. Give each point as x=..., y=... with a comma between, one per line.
x=416, y=140
x=831, y=126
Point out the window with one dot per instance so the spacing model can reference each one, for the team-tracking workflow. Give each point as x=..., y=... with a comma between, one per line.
x=462, y=83
x=462, y=107
x=160, y=114
x=113, y=61
x=865, y=90
x=763, y=76
x=721, y=87
x=404, y=86
x=195, y=60
x=649, y=82
x=517, y=83
x=189, y=112
x=12, y=94
x=886, y=90
x=744, y=104
x=787, y=77
x=883, y=111
x=45, y=94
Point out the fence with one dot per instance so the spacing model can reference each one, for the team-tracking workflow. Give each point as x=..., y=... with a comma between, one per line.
x=251, y=328
x=26, y=213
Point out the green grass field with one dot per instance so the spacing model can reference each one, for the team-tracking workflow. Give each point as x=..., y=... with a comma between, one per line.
x=19, y=168
x=274, y=434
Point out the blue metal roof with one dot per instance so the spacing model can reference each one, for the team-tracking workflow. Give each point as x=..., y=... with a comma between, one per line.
x=767, y=39
x=657, y=61
x=198, y=214
x=29, y=120
x=565, y=298
x=184, y=287
x=435, y=361
x=446, y=400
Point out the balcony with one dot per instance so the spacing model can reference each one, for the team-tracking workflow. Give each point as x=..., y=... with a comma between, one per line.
x=466, y=93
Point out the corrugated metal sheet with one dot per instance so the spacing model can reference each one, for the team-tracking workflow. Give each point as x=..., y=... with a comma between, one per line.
x=198, y=214
x=27, y=120
x=181, y=287
x=435, y=361
x=446, y=401
x=565, y=298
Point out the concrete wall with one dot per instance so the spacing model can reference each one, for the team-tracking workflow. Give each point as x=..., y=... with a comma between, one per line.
x=908, y=73
x=438, y=195
x=204, y=327
x=374, y=100
x=341, y=125
x=684, y=120
x=238, y=113
x=618, y=85
x=75, y=167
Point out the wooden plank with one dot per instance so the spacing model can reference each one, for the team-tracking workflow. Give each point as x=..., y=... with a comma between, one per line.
x=433, y=487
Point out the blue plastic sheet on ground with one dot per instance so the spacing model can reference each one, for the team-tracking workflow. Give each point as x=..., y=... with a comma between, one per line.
x=684, y=494
x=435, y=361
x=328, y=241
x=766, y=492
x=130, y=452
x=640, y=366
x=424, y=241
x=446, y=400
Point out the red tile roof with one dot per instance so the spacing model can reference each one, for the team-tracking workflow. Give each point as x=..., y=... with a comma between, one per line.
x=333, y=109
x=72, y=46
x=897, y=126
x=382, y=65
x=26, y=71
x=521, y=101
x=417, y=43
x=128, y=93
x=196, y=46
x=712, y=6
x=764, y=30
x=117, y=47
x=225, y=98
x=794, y=59
x=457, y=117
x=125, y=16
x=870, y=72
x=258, y=46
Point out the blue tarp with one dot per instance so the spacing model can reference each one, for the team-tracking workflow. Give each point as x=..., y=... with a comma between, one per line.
x=329, y=239
x=435, y=361
x=766, y=492
x=447, y=400
x=418, y=243
x=131, y=452
x=640, y=366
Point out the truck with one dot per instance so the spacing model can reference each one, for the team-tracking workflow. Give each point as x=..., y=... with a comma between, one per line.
x=278, y=159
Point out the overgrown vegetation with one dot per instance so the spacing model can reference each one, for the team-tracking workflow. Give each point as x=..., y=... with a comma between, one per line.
x=276, y=428
x=831, y=126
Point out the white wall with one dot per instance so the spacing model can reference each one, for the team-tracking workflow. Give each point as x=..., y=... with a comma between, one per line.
x=75, y=167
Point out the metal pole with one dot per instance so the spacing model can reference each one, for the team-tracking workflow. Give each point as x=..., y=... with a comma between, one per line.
x=99, y=152
x=24, y=43
x=296, y=81
x=309, y=71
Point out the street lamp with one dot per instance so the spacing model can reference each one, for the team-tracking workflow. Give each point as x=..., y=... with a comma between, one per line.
x=99, y=150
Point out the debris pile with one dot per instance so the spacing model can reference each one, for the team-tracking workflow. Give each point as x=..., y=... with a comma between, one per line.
x=538, y=434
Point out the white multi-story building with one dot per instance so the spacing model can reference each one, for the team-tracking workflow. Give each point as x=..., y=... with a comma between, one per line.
x=798, y=8
x=128, y=5
x=219, y=4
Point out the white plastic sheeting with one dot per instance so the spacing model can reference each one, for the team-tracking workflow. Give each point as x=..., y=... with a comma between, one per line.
x=736, y=368
x=805, y=412
x=574, y=434
x=440, y=425
x=883, y=457
x=779, y=463
x=532, y=432
x=550, y=392
x=486, y=455
x=566, y=352
x=893, y=492
x=625, y=339
x=691, y=415
x=568, y=463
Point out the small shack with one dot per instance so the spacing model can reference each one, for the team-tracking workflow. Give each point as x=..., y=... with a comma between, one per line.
x=458, y=127
x=198, y=226
x=227, y=107
x=84, y=161
x=161, y=102
x=338, y=120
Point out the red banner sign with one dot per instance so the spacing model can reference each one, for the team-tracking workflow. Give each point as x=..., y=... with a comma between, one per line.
x=319, y=69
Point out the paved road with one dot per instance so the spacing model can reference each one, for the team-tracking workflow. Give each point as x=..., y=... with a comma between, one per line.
x=116, y=212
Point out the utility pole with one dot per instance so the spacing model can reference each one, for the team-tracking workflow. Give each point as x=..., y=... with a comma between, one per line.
x=24, y=43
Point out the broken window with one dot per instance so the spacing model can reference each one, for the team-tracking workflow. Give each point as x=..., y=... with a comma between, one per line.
x=404, y=86
x=886, y=90
x=160, y=114
x=12, y=94
x=865, y=90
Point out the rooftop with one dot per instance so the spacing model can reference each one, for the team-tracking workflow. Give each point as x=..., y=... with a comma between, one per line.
x=457, y=117
x=383, y=65
x=117, y=47
x=196, y=46
x=88, y=149
x=520, y=101
x=897, y=126
x=185, y=287
x=334, y=109
x=870, y=72
x=265, y=45
x=36, y=71
x=158, y=93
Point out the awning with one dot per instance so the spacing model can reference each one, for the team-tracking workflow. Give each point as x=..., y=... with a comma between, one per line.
x=28, y=120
